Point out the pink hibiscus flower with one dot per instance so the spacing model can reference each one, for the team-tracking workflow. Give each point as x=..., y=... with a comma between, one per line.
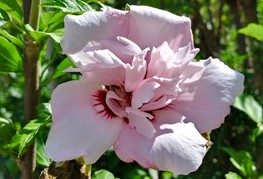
x=140, y=91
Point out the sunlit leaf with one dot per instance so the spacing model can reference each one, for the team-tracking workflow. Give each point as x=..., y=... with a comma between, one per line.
x=256, y=133
x=242, y=160
x=167, y=175
x=11, y=38
x=61, y=67
x=26, y=136
x=103, y=174
x=10, y=58
x=104, y=7
x=70, y=6
x=250, y=106
x=39, y=36
x=253, y=30
x=232, y=175
x=41, y=156
x=12, y=8
x=44, y=108
x=52, y=20
x=153, y=173
x=57, y=35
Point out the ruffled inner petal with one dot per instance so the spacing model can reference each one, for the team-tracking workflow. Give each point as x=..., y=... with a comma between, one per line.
x=122, y=47
x=166, y=63
x=158, y=104
x=141, y=122
x=135, y=72
x=112, y=100
x=100, y=66
x=144, y=93
x=131, y=48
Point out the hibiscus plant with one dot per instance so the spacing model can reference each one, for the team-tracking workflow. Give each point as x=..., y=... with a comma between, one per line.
x=101, y=86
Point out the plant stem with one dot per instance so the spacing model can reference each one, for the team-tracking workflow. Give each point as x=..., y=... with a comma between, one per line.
x=26, y=10
x=31, y=74
x=31, y=54
x=34, y=14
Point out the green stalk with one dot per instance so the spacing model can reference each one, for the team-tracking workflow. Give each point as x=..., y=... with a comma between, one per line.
x=34, y=14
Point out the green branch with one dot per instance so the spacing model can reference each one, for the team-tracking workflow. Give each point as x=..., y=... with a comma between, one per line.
x=31, y=74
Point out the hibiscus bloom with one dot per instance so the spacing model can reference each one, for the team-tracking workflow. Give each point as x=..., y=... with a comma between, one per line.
x=140, y=91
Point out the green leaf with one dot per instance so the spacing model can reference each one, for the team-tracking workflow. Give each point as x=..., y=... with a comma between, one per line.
x=52, y=20
x=69, y=6
x=36, y=35
x=39, y=36
x=26, y=136
x=242, y=160
x=41, y=156
x=250, y=106
x=253, y=30
x=12, y=8
x=10, y=59
x=61, y=67
x=11, y=38
x=7, y=130
x=153, y=173
x=104, y=7
x=232, y=175
x=127, y=7
x=3, y=15
x=57, y=35
x=44, y=108
x=167, y=175
x=257, y=132
x=103, y=174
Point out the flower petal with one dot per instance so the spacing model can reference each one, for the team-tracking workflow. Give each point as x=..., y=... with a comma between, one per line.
x=178, y=148
x=147, y=22
x=164, y=62
x=86, y=30
x=144, y=93
x=94, y=60
x=206, y=101
x=90, y=30
x=158, y=104
x=141, y=122
x=78, y=129
x=112, y=100
x=124, y=48
x=100, y=66
x=131, y=48
x=167, y=116
x=135, y=72
x=158, y=60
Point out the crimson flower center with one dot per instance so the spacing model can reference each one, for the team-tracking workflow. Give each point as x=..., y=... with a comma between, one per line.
x=103, y=103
